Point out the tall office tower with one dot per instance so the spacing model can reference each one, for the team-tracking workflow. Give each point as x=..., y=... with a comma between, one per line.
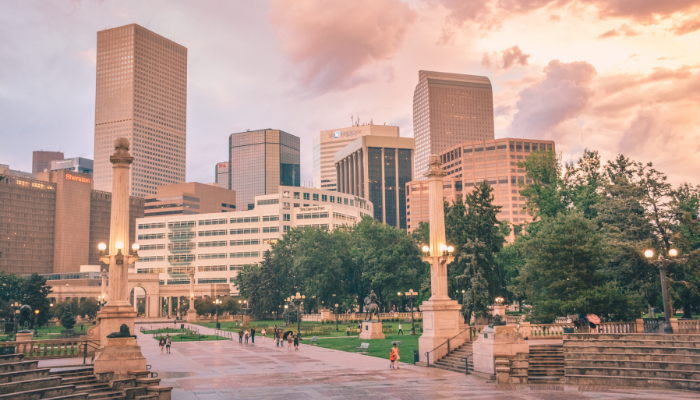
x=449, y=109
x=327, y=143
x=41, y=160
x=142, y=96
x=221, y=174
x=260, y=162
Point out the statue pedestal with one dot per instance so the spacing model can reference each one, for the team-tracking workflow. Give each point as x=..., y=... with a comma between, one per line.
x=120, y=355
x=498, y=341
x=191, y=316
x=441, y=320
x=111, y=318
x=246, y=320
x=371, y=330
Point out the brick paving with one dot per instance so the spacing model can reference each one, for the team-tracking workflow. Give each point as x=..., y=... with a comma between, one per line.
x=225, y=369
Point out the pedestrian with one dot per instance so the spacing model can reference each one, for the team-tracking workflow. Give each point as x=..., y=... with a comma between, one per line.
x=246, y=335
x=161, y=344
x=400, y=329
x=290, y=340
x=240, y=336
x=277, y=337
x=347, y=330
x=263, y=332
x=394, y=357
x=296, y=342
x=252, y=334
x=167, y=344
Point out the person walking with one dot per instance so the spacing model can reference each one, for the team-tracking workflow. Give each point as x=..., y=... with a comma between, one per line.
x=246, y=335
x=347, y=330
x=400, y=329
x=276, y=334
x=252, y=334
x=263, y=332
x=167, y=344
x=296, y=342
x=394, y=357
x=240, y=336
x=290, y=340
x=161, y=343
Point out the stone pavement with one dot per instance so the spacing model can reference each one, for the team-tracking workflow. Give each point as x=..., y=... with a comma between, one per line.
x=228, y=370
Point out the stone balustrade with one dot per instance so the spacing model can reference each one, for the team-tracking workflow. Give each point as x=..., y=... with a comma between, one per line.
x=618, y=327
x=544, y=330
x=45, y=349
x=689, y=326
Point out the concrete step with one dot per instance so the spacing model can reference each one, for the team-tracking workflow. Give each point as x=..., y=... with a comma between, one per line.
x=93, y=388
x=602, y=380
x=455, y=364
x=132, y=393
x=74, y=396
x=635, y=372
x=616, y=356
x=40, y=393
x=680, y=366
x=80, y=380
x=449, y=368
x=17, y=376
x=147, y=397
x=543, y=380
x=31, y=384
x=73, y=371
x=18, y=366
x=11, y=358
x=117, y=395
x=689, y=351
x=632, y=343
x=635, y=336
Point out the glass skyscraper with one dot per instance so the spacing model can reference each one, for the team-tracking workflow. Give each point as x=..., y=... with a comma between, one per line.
x=260, y=162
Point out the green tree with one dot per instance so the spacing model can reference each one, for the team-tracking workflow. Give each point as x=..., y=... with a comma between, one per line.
x=477, y=298
x=546, y=194
x=67, y=319
x=685, y=227
x=35, y=294
x=89, y=308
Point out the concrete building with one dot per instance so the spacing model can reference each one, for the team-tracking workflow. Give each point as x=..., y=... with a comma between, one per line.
x=449, y=109
x=329, y=142
x=189, y=199
x=5, y=170
x=377, y=168
x=468, y=165
x=142, y=96
x=75, y=164
x=260, y=162
x=218, y=245
x=221, y=174
x=53, y=224
x=41, y=160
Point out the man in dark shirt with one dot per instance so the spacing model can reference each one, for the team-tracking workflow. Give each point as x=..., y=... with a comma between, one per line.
x=252, y=334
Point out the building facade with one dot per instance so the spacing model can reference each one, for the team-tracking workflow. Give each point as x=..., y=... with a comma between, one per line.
x=221, y=174
x=5, y=170
x=141, y=95
x=329, y=142
x=377, y=168
x=189, y=199
x=471, y=163
x=449, y=109
x=41, y=160
x=53, y=224
x=260, y=162
x=218, y=245
x=75, y=164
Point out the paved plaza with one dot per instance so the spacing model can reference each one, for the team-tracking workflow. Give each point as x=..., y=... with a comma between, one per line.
x=228, y=370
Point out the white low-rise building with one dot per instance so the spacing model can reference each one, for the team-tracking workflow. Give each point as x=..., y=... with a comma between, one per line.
x=218, y=245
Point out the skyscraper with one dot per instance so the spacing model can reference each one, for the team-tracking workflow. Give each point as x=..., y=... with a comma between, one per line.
x=41, y=160
x=142, y=96
x=221, y=174
x=328, y=142
x=260, y=162
x=449, y=109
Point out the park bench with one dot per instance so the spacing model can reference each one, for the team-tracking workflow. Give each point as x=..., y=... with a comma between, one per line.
x=364, y=347
x=314, y=341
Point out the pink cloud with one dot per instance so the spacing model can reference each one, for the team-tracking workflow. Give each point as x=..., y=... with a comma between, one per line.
x=625, y=30
x=509, y=57
x=687, y=26
x=330, y=46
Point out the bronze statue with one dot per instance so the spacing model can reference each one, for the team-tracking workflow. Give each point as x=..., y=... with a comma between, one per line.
x=123, y=332
x=371, y=307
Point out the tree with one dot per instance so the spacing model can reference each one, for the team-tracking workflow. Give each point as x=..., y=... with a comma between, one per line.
x=89, y=307
x=685, y=227
x=477, y=298
x=67, y=319
x=35, y=294
x=547, y=194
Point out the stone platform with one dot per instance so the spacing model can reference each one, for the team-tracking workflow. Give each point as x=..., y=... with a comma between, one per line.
x=371, y=330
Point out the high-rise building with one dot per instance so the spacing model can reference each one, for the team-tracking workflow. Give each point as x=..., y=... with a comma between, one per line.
x=329, y=142
x=142, y=96
x=5, y=170
x=41, y=160
x=449, y=109
x=221, y=174
x=75, y=164
x=471, y=163
x=260, y=162
x=190, y=198
x=377, y=169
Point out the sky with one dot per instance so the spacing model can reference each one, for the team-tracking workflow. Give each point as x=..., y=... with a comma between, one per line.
x=616, y=76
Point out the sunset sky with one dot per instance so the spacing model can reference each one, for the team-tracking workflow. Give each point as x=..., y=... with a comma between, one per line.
x=619, y=76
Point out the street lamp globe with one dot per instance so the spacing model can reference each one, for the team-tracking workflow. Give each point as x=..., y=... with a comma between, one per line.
x=450, y=249
x=673, y=252
x=135, y=247
x=426, y=249
x=102, y=247
x=119, y=246
x=649, y=253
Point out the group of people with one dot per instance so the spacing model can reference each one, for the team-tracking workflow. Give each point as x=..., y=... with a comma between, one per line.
x=290, y=338
x=165, y=341
x=246, y=334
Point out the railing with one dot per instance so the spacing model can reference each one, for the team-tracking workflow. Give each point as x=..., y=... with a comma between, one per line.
x=618, y=327
x=515, y=319
x=689, y=326
x=548, y=330
x=466, y=363
x=561, y=320
x=49, y=348
x=467, y=332
x=652, y=325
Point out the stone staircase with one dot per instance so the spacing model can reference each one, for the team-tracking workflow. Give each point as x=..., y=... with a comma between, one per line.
x=23, y=380
x=546, y=364
x=453, y=360
x=642, y=360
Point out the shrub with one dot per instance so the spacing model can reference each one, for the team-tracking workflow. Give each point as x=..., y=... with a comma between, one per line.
x=67, y=319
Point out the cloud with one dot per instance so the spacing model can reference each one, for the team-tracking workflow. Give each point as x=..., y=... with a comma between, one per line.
x=562, y=94
x=509, y=57
x=340, y=47
x=687, y=26
x=624, y=29
x=554, y=18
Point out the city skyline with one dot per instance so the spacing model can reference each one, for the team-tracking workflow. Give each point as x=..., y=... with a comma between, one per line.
x=622, y=81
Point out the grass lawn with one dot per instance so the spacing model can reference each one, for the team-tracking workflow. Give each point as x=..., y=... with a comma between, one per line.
x=192, y=338
x=377, y=347
x=165, y=330
x=232, y=327
x=54, y=332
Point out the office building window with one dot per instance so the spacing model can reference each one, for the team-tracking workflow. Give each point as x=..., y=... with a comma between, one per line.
x=374, y=172
x=390, y=185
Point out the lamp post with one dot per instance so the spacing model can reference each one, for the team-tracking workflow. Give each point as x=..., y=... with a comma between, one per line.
x=118, y=286
x=297, y=300
x=16, y=307
x=336, y=317
x=36, y=322
x=217, y=302
x=411, y=295
x=663, y=264
x=101, y=300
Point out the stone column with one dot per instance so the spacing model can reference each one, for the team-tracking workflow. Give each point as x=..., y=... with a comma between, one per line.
x=441, y=315
x=170, y=306
x=103, y=288
x=179, y=313
x=191, y=313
